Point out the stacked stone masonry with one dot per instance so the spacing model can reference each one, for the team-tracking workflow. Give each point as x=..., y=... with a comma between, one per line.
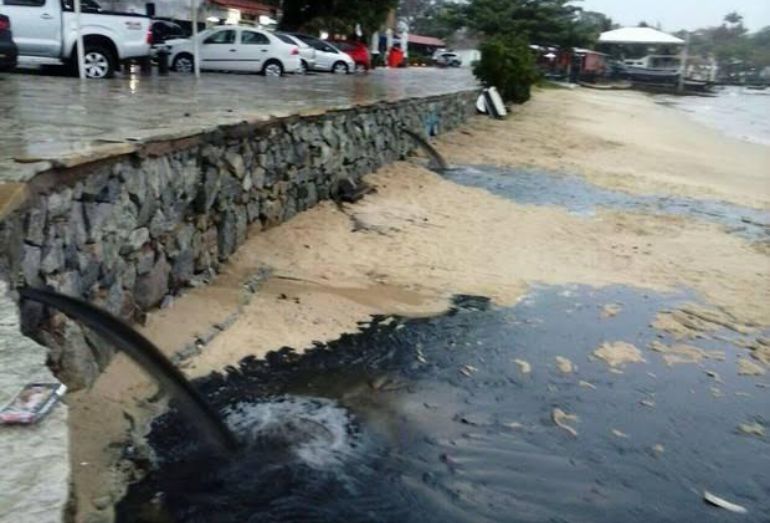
x=128, y=231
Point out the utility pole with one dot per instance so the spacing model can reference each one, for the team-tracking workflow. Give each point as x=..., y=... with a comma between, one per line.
x=683, y=68
x=196, y=47
x=79, y=43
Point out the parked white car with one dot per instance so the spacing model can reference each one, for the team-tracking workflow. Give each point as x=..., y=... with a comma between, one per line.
x=44, y=31
x=306, y=53
x=236, y=48
x=328, y=57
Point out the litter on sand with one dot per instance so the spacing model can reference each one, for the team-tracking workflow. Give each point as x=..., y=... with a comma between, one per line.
x=32, y=403
x=752, y=429
x=524, y=366
x=564, y=365
x=611, y=309
x=618, y=354
x=561, y=419
x=723, y=503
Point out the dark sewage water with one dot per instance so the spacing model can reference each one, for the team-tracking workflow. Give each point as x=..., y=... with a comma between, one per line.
x=432, y=420
x=577, y=195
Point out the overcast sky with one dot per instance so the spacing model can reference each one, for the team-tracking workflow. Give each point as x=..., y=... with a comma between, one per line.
x=681, y=14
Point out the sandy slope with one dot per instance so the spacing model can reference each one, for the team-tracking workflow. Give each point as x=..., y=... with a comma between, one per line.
x=420, y=239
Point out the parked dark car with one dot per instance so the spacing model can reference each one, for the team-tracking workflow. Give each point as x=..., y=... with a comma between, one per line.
x=8, y=50
x=163, y=30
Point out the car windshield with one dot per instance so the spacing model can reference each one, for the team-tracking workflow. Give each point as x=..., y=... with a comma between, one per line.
x=285, y=38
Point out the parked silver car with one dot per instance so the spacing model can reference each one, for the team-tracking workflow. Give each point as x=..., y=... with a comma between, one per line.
x=236, y=48
x=328, y=57
x=307, y=53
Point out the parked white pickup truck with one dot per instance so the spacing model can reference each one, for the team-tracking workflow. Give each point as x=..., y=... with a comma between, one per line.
x=44, y=31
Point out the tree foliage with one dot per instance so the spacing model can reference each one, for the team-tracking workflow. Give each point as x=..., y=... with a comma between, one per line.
x=411, y=9
x=591, y=24
x=547, y=22
x=730, y=43
x=507, y=63
x=440, y=20
x=337, y=16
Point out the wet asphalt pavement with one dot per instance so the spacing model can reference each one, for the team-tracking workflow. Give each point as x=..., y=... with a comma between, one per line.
x=42, y=116
x=432, y=420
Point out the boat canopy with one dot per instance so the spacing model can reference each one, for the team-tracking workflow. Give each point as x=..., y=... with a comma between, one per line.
x=639, y=35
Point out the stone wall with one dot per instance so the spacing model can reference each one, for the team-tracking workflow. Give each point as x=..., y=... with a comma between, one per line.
x=127, y=232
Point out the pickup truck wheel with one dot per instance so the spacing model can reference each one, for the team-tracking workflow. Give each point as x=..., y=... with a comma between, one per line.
x=183, y=63
x=99, y=63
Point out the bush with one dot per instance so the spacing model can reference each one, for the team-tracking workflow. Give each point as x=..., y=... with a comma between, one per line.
x=507, y=63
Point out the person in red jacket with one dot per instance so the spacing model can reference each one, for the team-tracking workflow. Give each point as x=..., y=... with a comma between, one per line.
x=395, y=56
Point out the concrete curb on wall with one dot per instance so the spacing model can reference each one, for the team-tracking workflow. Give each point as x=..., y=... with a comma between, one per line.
x=128, y=231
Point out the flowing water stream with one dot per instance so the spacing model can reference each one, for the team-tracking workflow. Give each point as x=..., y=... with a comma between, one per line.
x=432, y=420
x=537, y=187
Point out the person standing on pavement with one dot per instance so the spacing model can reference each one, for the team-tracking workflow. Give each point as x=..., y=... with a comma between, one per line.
x=395, y=56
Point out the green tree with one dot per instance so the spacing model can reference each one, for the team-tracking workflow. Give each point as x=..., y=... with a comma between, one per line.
x=759, y=48
x=507, y=63
x=551, y=22
x=337, y=16
x=734, y=18
x=440, y=20
x=735, y=50
x=592, y=24
x=411, y=9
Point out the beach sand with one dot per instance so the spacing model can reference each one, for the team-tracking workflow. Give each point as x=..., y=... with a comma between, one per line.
x=421, y=239
x=619, y=139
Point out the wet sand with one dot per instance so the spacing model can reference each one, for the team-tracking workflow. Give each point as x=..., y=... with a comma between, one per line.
x=421, y=239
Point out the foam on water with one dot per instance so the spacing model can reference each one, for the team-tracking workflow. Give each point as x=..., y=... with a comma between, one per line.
x=316, y=431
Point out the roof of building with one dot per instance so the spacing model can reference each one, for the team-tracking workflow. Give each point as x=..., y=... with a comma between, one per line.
x=638, y=35
x=426, y=40
x=247, y=6
x=581, y=50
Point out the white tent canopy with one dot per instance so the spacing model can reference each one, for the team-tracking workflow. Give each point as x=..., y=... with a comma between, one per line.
x=639, y=35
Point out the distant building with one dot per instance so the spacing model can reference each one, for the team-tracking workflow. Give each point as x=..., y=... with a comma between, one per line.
x=643, y=47
x=213, y=11
x=425, y=45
